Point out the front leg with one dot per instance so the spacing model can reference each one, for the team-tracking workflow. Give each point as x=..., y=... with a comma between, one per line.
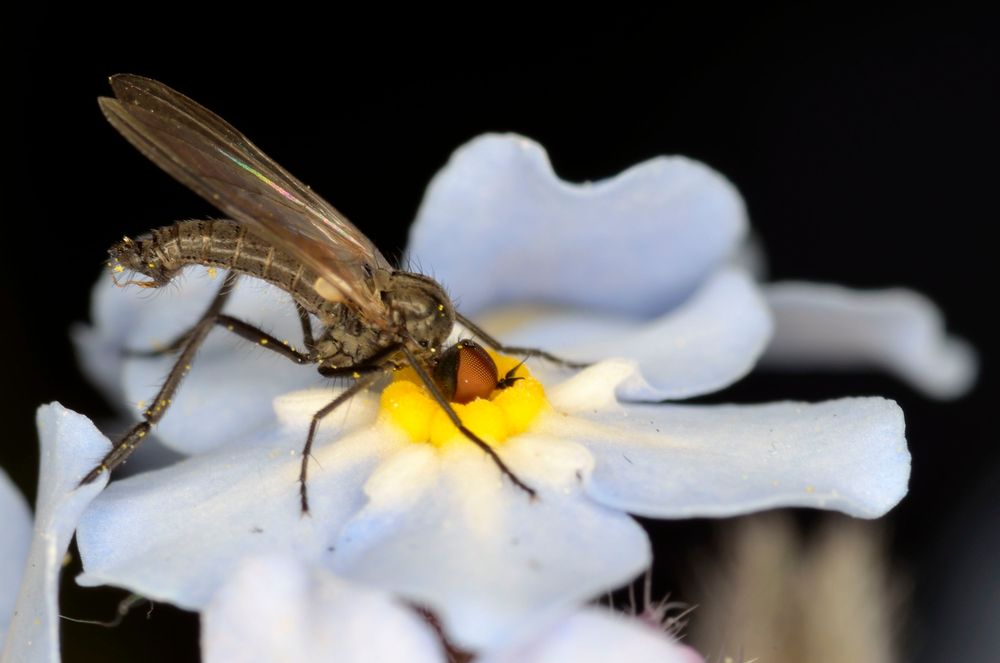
x=515, y=350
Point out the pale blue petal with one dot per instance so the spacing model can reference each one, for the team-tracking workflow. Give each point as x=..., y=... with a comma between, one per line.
x=173, y=534
x=232, y=382
x=820, y=325
x=16, y=519
x=710, y=341
x=277, y=610
x=447, y=531
x=676, y=461
x=99, y=345
x=597, y=635
x=70, y=447
x=498, y=226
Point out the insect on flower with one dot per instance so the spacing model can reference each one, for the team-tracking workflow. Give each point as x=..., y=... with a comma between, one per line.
x=375, y=318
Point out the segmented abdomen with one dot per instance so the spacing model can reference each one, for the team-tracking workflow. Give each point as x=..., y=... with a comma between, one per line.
x=221, y=243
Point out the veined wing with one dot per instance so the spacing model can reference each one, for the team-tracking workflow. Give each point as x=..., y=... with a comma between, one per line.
x=207, y=154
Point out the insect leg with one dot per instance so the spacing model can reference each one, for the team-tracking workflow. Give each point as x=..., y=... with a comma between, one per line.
x=443, y=402
x=371, y=364
x=225, y=290
x=156, y=410
x=192, y=342
x=360, y=385
x=307, y=330
x=263, y=339
x=514, y=350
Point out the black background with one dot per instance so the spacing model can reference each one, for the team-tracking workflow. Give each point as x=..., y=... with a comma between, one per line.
x=865, y=144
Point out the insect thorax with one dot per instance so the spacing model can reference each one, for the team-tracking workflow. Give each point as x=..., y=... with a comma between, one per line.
x=419, y=313
x=419, y=306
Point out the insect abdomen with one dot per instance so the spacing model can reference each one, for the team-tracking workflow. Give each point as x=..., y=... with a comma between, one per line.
x=216, y=243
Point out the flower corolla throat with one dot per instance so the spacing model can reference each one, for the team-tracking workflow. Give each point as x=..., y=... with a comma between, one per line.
x=509, y=409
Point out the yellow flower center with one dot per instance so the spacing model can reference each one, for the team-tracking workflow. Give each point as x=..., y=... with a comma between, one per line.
x=510, y=411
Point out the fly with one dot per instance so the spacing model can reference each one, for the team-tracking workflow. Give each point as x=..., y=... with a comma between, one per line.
x=375, y=318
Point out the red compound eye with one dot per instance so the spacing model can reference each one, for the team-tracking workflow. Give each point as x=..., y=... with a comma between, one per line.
x=466, y=372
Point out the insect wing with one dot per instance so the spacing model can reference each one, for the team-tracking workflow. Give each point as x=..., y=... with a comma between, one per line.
x=216, y=161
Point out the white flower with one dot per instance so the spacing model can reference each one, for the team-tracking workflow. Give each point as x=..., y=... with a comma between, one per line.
x=632, y=267
x=441, y=527
x=636, y=266
x=896, y=330
x=70, y=445
x=277, y=609
x=16, y=518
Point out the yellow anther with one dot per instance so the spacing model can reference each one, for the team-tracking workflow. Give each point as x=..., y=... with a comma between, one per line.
x=506, y=412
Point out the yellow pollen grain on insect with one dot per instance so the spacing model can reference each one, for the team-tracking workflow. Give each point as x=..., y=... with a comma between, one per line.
x=212, y=272
x=511, y=411
x=263, y=341
x=151, y=265
x=118, y=269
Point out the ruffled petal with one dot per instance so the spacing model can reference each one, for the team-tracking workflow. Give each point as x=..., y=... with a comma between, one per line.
x=70, y=447
x=597, y=635
x=673, y=461
x=230, y=379
x=446, y=530
x=712, y=340
x=820, y=325
x=16, y=518
x=173, y=534
x=497, y=217
x=278, y=609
